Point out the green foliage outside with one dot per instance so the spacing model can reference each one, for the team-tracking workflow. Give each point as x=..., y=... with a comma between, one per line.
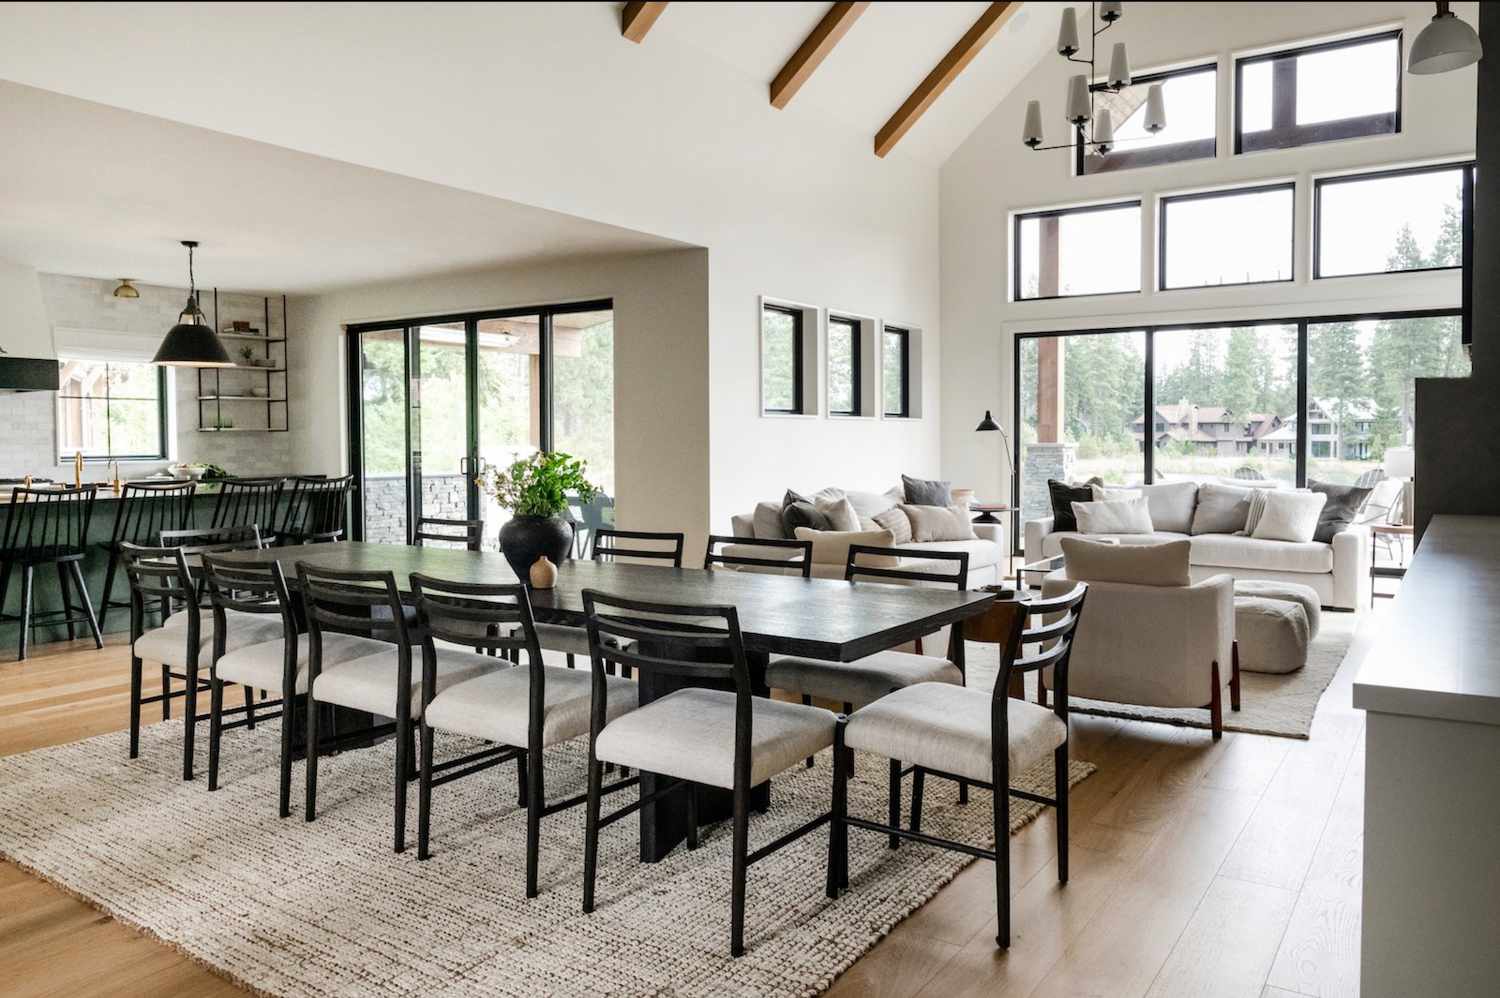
x=778, y=361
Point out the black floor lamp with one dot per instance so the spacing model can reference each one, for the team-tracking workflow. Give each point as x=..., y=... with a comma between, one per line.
x=988, y=425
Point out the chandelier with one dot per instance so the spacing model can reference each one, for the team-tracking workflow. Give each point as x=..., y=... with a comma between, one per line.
x=1094, y=128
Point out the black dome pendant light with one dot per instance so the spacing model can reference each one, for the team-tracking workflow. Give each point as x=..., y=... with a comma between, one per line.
x=191, y=343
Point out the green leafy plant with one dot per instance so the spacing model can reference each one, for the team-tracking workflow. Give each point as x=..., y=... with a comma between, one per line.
x=538, y=485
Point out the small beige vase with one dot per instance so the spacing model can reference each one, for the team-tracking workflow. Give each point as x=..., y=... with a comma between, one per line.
x=543, y=573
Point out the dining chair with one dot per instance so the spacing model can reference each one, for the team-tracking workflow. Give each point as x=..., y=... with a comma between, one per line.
x=248, y=501
x=48, y=527
x=865, y=680
x=317, y=510
x=738, y=553
x=448, y=532
x=521, y=710
x=967, y=734
x=730, y=739
x=164, y=576
x=143, y=510
x=340, y=603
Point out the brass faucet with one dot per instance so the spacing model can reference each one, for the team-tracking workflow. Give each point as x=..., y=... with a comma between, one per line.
x=78, y=470
x=114, y=475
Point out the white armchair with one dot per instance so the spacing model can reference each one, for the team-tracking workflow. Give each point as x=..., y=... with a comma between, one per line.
x=1157, y=646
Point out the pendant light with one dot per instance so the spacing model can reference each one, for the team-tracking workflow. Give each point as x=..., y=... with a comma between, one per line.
x=1447, y=43
x=191, y=343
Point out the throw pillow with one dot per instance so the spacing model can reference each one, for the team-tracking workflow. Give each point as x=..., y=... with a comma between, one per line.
x=1123, y=516
x=1164, y=564
x=1115, y=493
x=840, y=513
x=766, y=522
x=1063, y=498
x=1290, y=516
x=938, y=523
x=1172, y=505
x=1222, y=509
x=895, y=521
x=924, y=492
x=831, y=547
x=1344, y=504
x=1257, y=510
x=800, y=511
x=868, y=504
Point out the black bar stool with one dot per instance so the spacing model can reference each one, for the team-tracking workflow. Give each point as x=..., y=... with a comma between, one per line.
x=144, y=510
x=317, y=510
x=248, y=500
x=48, y=527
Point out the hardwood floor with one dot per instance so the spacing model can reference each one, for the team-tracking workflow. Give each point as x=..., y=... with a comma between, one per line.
x=1198, y=868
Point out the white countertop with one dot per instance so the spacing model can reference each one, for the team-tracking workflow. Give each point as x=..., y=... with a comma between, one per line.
x=1437, y=653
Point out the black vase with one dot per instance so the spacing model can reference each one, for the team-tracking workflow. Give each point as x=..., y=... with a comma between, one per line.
x=524, y=539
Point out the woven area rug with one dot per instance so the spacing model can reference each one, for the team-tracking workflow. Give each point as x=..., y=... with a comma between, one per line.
x=1281, y=705
x=287, y=907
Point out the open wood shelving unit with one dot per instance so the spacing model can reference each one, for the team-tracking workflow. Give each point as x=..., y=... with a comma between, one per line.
x=213, y=394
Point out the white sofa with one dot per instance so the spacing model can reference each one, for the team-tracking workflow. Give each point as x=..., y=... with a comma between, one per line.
x=1338, y=572
x=987, y=554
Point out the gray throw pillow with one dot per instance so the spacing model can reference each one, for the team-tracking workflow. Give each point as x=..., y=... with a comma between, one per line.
x=924, y=492
x=1222, y=509
x=894, y=520
x=800, y=511
x=1343, y=505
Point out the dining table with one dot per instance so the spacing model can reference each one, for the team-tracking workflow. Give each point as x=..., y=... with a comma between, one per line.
x=826, y=619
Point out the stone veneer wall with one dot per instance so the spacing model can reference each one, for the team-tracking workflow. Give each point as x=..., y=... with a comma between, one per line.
x=1043, y=461
x=385, y=504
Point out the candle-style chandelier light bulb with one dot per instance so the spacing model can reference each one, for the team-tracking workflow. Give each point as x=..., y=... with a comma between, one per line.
x=1067, y=33
x=1104, y=131
x=1078, y=104
x=1156, y=109
x=1119, y=67
x=1031, y=133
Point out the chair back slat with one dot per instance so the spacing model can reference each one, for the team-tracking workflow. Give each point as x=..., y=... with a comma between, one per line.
x=802, y=560
x=467, y=533
x=611, y=545
x=959, y=577
x=329, y=595
x=42, y=524
x=248, y=500
x=159, y=575
x=145, y=509
x=1056, y=638
x=214, y=540
x=317, y=509
x=262, y=589
x=495, y=618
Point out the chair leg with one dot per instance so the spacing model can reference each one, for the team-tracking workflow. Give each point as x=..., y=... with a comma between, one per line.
x=1216, y=705
x=135, y=706
x=737, y=885
x=1060, y=793
x=534, y=803
x=284, y=797
x=310, y=808
x=25, y=611
x=895, y=802
x=837, y=845
x=591, y=832
x=1234, y=676
x=109, y=585
x=249, y=708
x=424, y=793
x=692, y=816
x=963, y=791
x=807, y=702
x=569, y=656
x=403, y=764
x=215, y=729
x=916, y=798
x=166, y=693
x=521, y=781
x=190, y=717
x=76, y=570
x=65, y=589
x=1002, y=852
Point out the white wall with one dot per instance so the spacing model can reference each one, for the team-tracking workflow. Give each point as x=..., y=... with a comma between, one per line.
x=661, y=367
x=992, y=174
x=546, y=104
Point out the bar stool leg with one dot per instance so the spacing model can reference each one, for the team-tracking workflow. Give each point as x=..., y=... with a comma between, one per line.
x=25, y=610
x=109, y=585
x=88, y=606
x=65, y=588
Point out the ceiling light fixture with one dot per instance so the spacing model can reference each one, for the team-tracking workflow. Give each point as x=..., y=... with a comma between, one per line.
x=1079, y=104
x=1446, y=44
x=191, y=343
x=126, y=289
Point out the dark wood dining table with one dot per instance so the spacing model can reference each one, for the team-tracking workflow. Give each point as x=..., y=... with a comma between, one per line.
x=779, y=615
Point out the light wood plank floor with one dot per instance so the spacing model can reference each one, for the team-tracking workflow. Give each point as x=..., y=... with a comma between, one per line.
x=1198, y=868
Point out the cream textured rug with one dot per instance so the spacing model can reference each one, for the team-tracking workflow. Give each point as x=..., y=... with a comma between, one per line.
x=286, y=907
x=1269, y=704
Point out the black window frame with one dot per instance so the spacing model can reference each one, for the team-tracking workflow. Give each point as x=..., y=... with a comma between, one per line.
x=1465, y=170
x=1015, y=246
x=1161, y=233
x=903, y=335
x=162, y=434
x=856, y=382
x=1288, y=134
x=799, y=407
x=1148, y=470
x=1131, y=159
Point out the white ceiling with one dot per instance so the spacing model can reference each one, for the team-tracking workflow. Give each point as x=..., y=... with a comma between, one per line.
x=889, y=50
x=99, y=192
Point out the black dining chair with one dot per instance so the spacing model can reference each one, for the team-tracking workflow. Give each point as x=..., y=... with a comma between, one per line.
x=467, y=534
x=317, y=510
x=248, y=501
x=961, y=733
x=48, y=527
x=744, y=554
x=730, y=739
x=142, y=512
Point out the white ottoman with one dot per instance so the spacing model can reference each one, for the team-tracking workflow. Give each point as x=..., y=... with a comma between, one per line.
x=1272, y=634
x=1304, y=596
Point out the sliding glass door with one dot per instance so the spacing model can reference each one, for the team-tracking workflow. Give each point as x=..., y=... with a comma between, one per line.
x=433, y=401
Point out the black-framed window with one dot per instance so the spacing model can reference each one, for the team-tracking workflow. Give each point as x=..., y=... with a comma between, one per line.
x=1192, y=126
x=1224, y=401
x=896, y=372
x=1072, y=252
x=1240, y=236
x=1391, y=221
x=1318, y=93
x=844, y=388
x=111, y=411
x=781, y=359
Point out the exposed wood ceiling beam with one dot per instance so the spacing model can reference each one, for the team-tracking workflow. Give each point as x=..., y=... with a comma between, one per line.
x=944, y=73
x=811, y=53
x=636, y=19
